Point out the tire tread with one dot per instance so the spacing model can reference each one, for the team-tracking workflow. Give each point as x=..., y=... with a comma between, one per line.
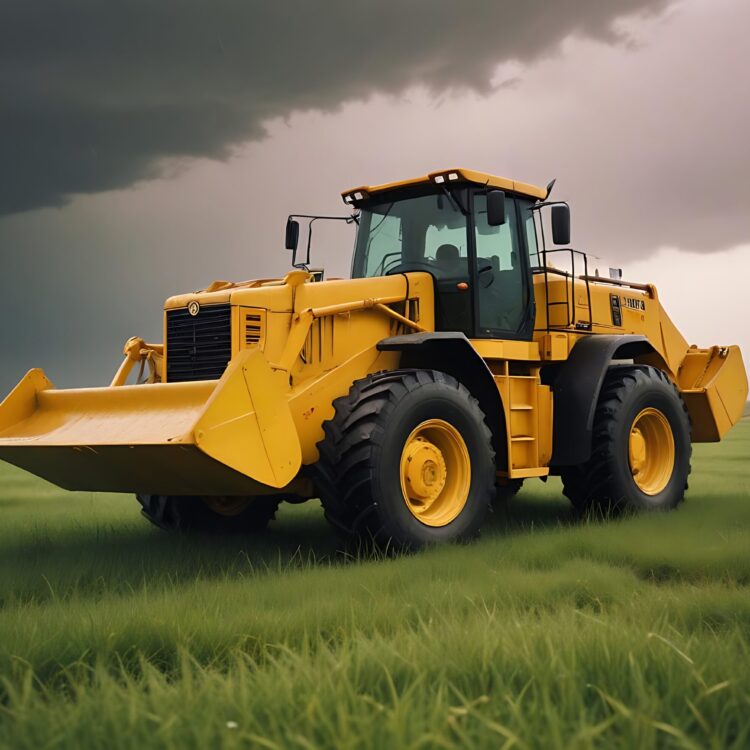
x=591, y=486
x=345, y=469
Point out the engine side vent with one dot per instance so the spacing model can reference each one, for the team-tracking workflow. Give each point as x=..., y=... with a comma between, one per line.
x=255, y=328
x=199, y=347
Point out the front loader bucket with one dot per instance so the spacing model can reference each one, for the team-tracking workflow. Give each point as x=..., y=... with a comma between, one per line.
x=713, y=383
x=234, y=436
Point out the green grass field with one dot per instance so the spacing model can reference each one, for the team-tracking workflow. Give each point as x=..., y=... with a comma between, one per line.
x=546, y=633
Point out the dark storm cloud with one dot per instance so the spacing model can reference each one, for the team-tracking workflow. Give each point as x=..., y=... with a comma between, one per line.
x=95, y=95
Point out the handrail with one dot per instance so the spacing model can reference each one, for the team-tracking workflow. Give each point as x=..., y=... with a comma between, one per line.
x=620, y=282
x=570, y=296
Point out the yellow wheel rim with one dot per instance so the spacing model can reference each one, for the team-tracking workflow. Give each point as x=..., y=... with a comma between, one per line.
x=227, y=506
x=651, y=451
x=435, y=472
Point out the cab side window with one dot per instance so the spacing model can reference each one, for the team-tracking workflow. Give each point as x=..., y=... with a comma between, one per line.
x=384, y=244
x=501, y=277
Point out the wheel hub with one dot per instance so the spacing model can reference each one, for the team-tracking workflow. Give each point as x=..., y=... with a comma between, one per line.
x=226, y=506
x=637, y=451
x=435, y=472
x=425, y=470
x=651, y=451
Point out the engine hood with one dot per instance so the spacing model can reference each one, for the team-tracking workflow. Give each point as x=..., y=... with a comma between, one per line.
x=269, y=293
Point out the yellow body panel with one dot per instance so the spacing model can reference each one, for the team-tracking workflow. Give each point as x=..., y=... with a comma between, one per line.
x=643, y=315
x=527, y=351
x=713, y=382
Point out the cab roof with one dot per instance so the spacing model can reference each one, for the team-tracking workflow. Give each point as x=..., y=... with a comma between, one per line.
x=446, y=177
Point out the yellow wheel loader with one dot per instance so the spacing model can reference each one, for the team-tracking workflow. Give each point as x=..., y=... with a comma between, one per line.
x=461, y=358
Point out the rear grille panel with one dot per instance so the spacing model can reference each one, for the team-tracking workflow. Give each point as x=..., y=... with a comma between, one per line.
x=199, y=347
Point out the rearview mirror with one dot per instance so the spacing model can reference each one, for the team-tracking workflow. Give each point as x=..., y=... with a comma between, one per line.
x=561, y=224
x=495, y=208
x=292, y=234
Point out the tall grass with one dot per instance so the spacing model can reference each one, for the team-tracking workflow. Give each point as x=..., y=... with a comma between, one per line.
x=546, y=633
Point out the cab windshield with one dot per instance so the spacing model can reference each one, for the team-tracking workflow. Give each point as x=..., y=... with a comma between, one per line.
x=422, y=233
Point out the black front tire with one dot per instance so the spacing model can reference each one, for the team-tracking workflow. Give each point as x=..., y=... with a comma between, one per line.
x=605, y=484
x=183, y=513
x=358, y=473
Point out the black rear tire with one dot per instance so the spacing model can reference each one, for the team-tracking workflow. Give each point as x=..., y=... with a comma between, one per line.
x=358, y=474
x=605, y=484
x=183, y=513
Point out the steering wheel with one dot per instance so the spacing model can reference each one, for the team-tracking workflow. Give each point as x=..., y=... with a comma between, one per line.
x=490, y=278
x=380, y=270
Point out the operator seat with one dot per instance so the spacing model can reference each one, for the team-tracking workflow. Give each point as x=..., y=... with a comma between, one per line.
x=448, y=260
x=452, y=305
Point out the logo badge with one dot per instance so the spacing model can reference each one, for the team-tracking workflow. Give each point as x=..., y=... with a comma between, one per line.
x=194, y=308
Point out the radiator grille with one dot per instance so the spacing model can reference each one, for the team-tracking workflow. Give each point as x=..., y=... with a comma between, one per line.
x=199, y=347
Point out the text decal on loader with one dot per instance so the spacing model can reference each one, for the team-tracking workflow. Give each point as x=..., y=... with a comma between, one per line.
x=634, y=303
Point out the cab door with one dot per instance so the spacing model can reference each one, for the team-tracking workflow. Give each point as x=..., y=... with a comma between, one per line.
x=503, y=297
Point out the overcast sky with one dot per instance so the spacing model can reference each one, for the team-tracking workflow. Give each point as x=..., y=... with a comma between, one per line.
x=149, y=147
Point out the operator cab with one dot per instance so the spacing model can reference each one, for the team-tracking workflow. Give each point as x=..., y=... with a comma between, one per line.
x=475, y=240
